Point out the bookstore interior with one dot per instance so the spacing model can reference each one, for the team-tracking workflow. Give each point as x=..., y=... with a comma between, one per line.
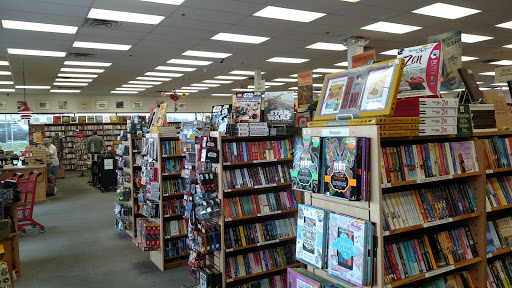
x=377, y=153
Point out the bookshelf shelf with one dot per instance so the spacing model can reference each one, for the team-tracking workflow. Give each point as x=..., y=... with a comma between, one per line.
x=498, y=170
x=499, y=208
x=246, y=189
x=173, y=195
x=171, y=174
x=254, y=138
x=259, y=244
x=416, y=138
x=237, y=164
x=173, y=215
x=175, y=236
x=499, y=252
x=173, y=156
x=254, y=275
x=495, y=133
x=430, y=224
x=432, y=179
x=260, y=215
x=177, y=256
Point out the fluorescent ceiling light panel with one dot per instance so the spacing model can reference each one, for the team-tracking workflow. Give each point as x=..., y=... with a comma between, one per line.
x=163, y=74
x=484, y=89
x=124, y=16
x=40, y=27
x=314, y=75
x=65, y=91
x=242, y=89
x=479, y=83
x=124, y=92
x=184, y=91
x=6, y=82
x=468, y=58
x=205, y=85
x=7, y=90
x=87, y=63
x=170, y=2
x=189, y=62
x=293, y=88
x=145, y=82
x=274, y=83
x=81, y=70
x=194, y=88
x=136, y=86
x=244, y=72
x=72, y=80
x=499, y=84
x=318, y=85
x=392, y=52
x=4, y=63
x=30, y=52
x=508, y=46
x=488, y=73
x=77, y=75
x=287, y=60
x=103, y=46
x=222, y=94
x=327, y=70
x=285, y=80
x=288, y=14
x=502, y=62
x=344, y=64
x=327, y=46
x=70, y=84
x=217, y=81
x=33, y=87
x=206, y=54
x=5, y=72
x=471, y=38
x=446, y=11
x=507, y=25
x=389, y=27
x=252, y=87
x=130, y=89
x=240, y=38
x=154, y=79
x=231, y=77
x=171, y=68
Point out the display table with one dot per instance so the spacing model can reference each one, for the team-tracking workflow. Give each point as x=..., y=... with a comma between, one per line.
x=42, y=181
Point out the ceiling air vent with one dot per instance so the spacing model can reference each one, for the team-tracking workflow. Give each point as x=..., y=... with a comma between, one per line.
x=101, y=24
x=80, y=55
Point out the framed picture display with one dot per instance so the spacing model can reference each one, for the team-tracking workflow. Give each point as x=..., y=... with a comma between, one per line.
x=366, y=91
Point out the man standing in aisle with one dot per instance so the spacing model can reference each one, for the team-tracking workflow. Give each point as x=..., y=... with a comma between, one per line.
x=51, y=151
x=95, y=143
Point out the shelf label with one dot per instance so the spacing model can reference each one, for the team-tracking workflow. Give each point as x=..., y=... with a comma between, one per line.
x=386, y=233
x=489, y=171
x=227, y=163
x=229, y=280
x=229, y=250
x=386, y=185
x=433, y=179
x=270, y=213
x=268, y=242
x=439, y=271
x=489, y=255
x=227, y=190
x=387, y=286
x=335, y=132
x=306, y=132
x=228, y=219
x=439, y=222
x=265, y=160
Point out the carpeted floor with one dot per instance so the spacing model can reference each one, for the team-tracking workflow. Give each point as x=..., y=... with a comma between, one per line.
x=81, y=248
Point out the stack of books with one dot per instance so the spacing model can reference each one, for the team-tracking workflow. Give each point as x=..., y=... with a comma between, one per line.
x=258, y=129
x=259, y=204
x=498, y=272
x=498, y=191
x=176, y=247
x=499, y=234
x=165, y=131
x=259, y=233
x=177, y=227
x=497, y=152
x=483, y=117
x=253, y=151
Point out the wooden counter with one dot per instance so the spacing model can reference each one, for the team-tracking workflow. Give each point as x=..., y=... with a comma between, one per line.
x=42, y=181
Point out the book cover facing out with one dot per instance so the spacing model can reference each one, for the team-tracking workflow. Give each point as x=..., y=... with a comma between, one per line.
x=464, y=153
x=306, y=164
x=311, y=236
x=340, y=167
x=347, y=243
x=299, y=280
x=221, y=116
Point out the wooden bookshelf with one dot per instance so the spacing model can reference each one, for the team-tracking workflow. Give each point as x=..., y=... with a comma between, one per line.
x=254, y=276
x=434, y=223
x=499, y=208
x=432, y=179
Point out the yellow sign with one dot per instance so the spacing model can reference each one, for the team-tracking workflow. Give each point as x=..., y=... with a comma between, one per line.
x=184, y=95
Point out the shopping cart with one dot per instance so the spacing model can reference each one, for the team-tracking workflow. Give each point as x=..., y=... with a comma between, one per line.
x=27, y=188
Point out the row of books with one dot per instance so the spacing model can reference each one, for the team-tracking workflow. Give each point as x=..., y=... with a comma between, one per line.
x=176, y=247
x=499, y=234
x=172, y=186
x=262, y=150
x=176, y=227
x=275, y=281
x=430, y=252
x=456, y=280
x=272, y=230
x=259, y=204
x=256, y=176
x=409, y=208
x=173, y=206
x=499, y=190
x=264, y=260
x=498, y=152
x=420, y=161
x=499, y=273
x=170, y=148
x=172, y=165
x=299, y=278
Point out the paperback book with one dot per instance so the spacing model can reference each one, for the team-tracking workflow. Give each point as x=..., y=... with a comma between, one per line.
x=312, y=236
x=221, y=116
x=307, y=164
x=247, y=107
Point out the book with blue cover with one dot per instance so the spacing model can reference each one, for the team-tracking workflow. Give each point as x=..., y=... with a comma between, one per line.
x=312, y=236
x=307, y=164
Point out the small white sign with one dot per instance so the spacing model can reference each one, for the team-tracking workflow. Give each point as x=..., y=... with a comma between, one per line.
x=439, y=222
x=439, y=271
x=338, y=132
x=108, y=164
x=259, y=85
x=503, y=74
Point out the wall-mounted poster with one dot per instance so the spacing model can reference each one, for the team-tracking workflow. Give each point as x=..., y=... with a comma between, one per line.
x=83, y=105
x=452, y=58
x=137, y=105
x=247, y=107
x=63, y=104
x=102, y=105
x=43, y=105
x=119, y=104
x=279, y=108
x=422, y=70
x=363, y=59
x=3, y=105
x=182, y=106
x=361, y=92
x=305, y=88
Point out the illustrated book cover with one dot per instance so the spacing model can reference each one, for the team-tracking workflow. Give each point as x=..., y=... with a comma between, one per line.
x=306, y=164
x=341, y=162
x=247, y=107
x=311, y=236
x=221, y=116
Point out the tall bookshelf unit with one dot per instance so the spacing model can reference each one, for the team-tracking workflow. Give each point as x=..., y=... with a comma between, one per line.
x=135, y=149
x=373, y=209
x=220, y=257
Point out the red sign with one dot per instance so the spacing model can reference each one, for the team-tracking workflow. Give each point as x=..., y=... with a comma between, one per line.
x=80, y=135
x=305, y=78
x=363, y=59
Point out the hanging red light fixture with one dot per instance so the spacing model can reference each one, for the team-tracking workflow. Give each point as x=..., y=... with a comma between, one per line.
x=25, y=111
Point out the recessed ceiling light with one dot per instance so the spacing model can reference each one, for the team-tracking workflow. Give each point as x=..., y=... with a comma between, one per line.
x=81, y=70
x=446, y=11
x=6, y=82
x=205, y=85
x=72, y=80
x=499, y=84
x=171, y=2
x=189, y=62
x=77, y=75
x=104, y=46
x=287, y=60
x=5, y=72
x=274, y=83
x=65, y=91
x=163, y=74
x=145, y=82
x=468, y=58
x=240, y=38
x=70, y=84
x=471, y=38
x=170, y=68
x=507, y=25
x=124, y=16
x=4, y=63
x=154, y=79
x=288, y=14
x=35, y=52
x=206, y=54
x=194, y=88
x=33, y=87
x=293, y=88
x=344, y=64
x=508, y=46
x=502, y=62
x=392, y=52
x=137, y=86
x=318, y=85
x=184, y=91
x=389, y=27
x=327, y=46
x=488, y=73
x=327, y=70
x=222, y=94
x=314, y=75
x=231, y=77
x=124, y=92
x=242, y=89
x=484, y=89
x=87, y=63
x=285, y=80
x=217, y=81
x=7, y=90
x=244, y=72
x=252, y=87
x=40, y=27
x=130, y=89
x=479, y=83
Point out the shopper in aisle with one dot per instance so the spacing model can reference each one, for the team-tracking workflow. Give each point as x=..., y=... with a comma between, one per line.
x=51, y=151
x=95, y=143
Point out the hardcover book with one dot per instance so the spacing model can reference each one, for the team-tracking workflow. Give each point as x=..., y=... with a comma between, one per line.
x=221, y=116
x=306, y=164
x=82, y=119
x=504, y=226
x=299, y=280
x=57, y=119
x=98, y=118
x=279, y=108
x=247, y=107
x=464, y=154
x=340, y=164
x=311, y=236
x=470, y=83
x=73, y=119
x=90, y=119
x=66, y=119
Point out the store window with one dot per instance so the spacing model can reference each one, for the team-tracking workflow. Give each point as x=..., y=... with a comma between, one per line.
x=13, y=132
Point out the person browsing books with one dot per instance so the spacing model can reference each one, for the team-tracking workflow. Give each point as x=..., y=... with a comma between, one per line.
x=95, y=143
x=51, y=151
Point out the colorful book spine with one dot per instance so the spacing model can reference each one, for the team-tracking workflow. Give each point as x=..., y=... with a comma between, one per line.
x=259, y=204
x=254, y=151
